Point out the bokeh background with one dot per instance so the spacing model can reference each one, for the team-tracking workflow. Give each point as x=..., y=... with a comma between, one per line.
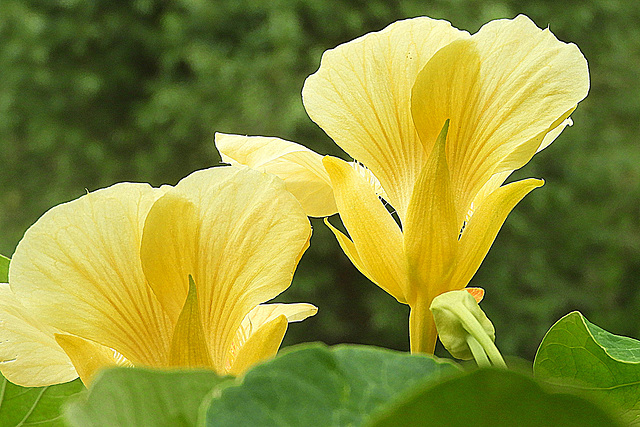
x=96, y=92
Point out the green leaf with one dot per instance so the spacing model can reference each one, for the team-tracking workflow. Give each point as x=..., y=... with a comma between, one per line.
x=313, y=385
x=492, y=398
x=143, y=397
x=579, y=354
x=4, y=269
x=31, y=406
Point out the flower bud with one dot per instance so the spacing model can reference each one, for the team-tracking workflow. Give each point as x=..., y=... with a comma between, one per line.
x=458, y=316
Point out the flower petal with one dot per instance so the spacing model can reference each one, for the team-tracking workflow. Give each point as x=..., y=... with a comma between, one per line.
x=483, y=227
x=29, y=354
x=189, y=345
x=504, y=90
x=442, y=93
x=376, y=236
x=300, y=168
x=360, y=96
x=261, y=345
x=89, y=357
x=265, y=313
x=260, y=316
x=489, y=187
x=554, y=133
x=431, y=229
x=252, y=233
x=79, y=268
x=168, y=250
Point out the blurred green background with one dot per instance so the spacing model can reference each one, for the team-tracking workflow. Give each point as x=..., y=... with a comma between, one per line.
x=96, y=92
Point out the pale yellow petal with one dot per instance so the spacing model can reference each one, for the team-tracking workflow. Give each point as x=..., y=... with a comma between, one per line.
x=431, y=229
x=360, y=96
x=263, y=314
x=554, y=133
x=168, y=250
x=490, y=186
x=300, y=168
x=261, y=345
x=499, y=178
x=483, y=227
x=29, y=354
x=373, y=181
x=504, y=90
x=252, y=233
x=188, y=345
x=551, y=77
x=89, y=357
x=376, y=236
x=79, y=268
x=443, y=91
x=523, y=153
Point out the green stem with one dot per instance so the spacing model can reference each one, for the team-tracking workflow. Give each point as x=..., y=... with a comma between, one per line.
x=478, y=352
x=494, y=355
x=473, y=327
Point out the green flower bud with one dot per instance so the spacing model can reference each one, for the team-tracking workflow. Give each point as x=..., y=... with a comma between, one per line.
x=464, y=330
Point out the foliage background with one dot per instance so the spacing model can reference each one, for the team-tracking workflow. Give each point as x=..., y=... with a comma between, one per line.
x=96, y=92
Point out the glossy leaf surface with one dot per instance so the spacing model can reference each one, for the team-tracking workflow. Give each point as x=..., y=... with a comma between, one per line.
x=321, y=386
x=585, y=357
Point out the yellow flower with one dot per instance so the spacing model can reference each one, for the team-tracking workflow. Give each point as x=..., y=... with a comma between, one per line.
x=156, y=277
x=440, y=119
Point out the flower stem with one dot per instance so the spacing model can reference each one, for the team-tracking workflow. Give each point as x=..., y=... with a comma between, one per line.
x=478, y=352
x=479, y=336
x=422, y=328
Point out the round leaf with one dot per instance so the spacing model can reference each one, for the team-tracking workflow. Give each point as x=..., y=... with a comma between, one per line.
x=318, y=386
x=583, y=356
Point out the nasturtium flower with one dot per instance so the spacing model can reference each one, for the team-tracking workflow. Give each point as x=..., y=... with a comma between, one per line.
x=168, y=277
x=436, y=120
